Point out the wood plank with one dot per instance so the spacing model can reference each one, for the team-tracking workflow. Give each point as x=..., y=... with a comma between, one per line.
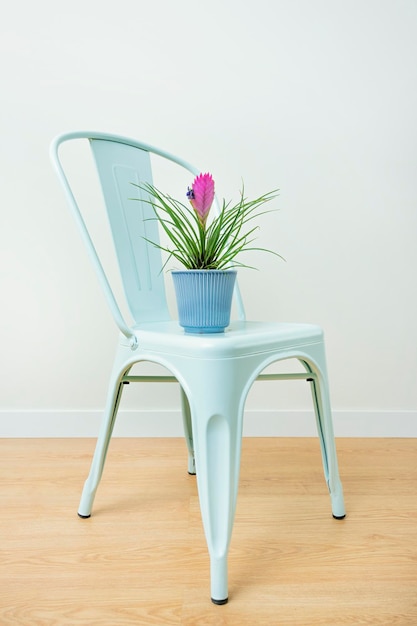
x=142, y=559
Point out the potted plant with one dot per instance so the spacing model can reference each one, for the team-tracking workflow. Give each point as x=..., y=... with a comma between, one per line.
x=207, y=250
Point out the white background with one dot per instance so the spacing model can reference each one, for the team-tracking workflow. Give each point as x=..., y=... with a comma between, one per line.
x=315, y=97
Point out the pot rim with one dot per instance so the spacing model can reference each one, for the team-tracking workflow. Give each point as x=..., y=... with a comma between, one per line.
x=212, y=271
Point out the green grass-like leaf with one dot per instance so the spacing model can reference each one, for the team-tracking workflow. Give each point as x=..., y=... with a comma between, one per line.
x=216, y=246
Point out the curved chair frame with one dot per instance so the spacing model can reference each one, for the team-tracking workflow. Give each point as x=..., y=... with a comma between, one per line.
x=215, y=372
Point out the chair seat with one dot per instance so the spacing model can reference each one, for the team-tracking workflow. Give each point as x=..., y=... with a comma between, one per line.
x=240, y=339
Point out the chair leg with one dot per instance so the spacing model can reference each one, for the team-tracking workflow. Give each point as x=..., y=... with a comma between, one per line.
x=188, y=431
x=217, y=430
x=102, y=445
x=321, y=400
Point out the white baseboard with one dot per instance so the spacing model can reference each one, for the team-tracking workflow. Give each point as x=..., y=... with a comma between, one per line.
x=169, y=424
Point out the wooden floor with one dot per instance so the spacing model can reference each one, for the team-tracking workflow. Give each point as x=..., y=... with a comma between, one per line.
x=141, y=558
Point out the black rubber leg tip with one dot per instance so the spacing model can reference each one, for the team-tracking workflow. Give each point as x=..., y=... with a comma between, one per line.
x=220, y=602
x=84, y=516
x=339, y=516
x=192, y=473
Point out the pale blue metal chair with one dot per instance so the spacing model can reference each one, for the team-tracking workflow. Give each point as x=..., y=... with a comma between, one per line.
x=215, y=372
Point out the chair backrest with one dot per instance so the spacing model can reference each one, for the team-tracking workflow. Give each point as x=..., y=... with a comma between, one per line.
x=120, y=162
x=119, y=165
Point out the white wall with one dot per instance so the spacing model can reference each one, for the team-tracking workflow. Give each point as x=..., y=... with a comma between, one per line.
x=316, y=97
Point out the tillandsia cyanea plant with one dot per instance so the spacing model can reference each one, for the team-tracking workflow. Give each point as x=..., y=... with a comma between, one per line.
x=197, y=243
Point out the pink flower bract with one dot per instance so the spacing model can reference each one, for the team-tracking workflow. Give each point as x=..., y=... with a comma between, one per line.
x=202, y=196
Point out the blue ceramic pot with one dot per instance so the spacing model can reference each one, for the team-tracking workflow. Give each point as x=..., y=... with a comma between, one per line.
x=204, y=299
